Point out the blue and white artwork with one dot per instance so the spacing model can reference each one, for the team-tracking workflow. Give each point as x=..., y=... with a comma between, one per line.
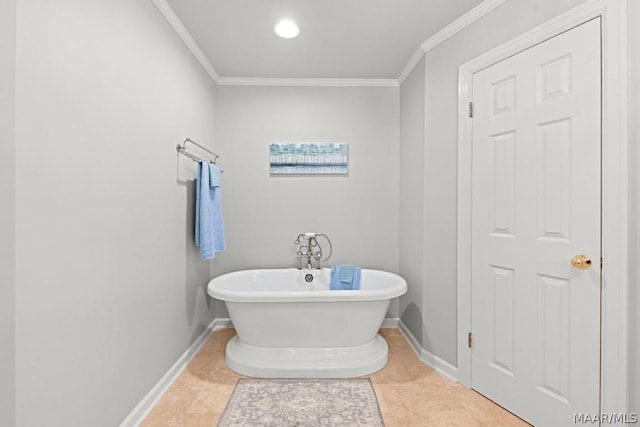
x=326, y=158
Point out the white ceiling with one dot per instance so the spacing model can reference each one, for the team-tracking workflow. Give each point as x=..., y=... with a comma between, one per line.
x=341, y=39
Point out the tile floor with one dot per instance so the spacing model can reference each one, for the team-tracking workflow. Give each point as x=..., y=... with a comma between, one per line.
x=409, y=392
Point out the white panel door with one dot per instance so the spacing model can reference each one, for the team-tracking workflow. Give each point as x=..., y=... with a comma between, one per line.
x=535, y=205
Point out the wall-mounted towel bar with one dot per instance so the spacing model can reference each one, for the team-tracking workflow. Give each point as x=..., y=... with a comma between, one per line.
x=182, y=149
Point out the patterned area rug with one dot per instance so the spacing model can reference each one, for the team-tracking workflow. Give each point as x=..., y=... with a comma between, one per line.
x=259, y=402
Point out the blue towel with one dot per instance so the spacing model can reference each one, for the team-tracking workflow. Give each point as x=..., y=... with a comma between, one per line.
x=345, y=277
x=346, y=273
x=214, y=176
x=209, y=231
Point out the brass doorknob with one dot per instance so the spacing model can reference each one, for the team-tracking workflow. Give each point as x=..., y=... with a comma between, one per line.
x=581, y=261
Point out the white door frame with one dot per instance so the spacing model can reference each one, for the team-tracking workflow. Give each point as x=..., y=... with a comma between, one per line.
x=613, y=14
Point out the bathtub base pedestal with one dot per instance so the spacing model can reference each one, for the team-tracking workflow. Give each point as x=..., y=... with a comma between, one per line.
x=339, y=362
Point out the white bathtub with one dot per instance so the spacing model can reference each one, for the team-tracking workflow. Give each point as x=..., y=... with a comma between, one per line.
x=288, y=328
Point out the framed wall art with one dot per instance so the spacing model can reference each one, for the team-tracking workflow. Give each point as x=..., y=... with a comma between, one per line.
x=293, y=158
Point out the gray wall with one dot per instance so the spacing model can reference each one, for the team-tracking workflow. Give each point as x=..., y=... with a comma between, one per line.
x=634, y=208
x=106, y=298
x=412, y=118
x=263, y=214
x=109, y=288
x=440, y=161
x=7, y=210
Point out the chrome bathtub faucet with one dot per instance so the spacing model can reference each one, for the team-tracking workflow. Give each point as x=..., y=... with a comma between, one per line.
x=311, y=250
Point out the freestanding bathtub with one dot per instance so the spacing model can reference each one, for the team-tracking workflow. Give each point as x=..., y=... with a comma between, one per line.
x=290, y=325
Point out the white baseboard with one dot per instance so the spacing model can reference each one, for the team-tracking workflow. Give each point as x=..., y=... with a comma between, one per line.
x=140, y=412
x=439, y=365
x=390, y=322
x=147, y=403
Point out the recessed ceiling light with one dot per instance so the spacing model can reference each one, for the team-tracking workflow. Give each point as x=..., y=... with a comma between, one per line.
x=287, y=29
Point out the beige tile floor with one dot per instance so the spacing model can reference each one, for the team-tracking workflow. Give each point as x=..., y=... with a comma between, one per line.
x=409, y=392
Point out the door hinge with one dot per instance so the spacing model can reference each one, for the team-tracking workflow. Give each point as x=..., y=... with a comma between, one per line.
x=470, y=340
x=470, y=109
x=601, y=263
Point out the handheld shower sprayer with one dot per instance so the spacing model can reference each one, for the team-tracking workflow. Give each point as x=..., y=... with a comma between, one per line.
x=307, y=236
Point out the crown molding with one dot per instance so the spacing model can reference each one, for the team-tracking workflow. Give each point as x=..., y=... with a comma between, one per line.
x=417, y=56
x=175, y=22
x=465, y=20
x=179, y=28
x=459, y=24
x=450, y=30
x=311, y=82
